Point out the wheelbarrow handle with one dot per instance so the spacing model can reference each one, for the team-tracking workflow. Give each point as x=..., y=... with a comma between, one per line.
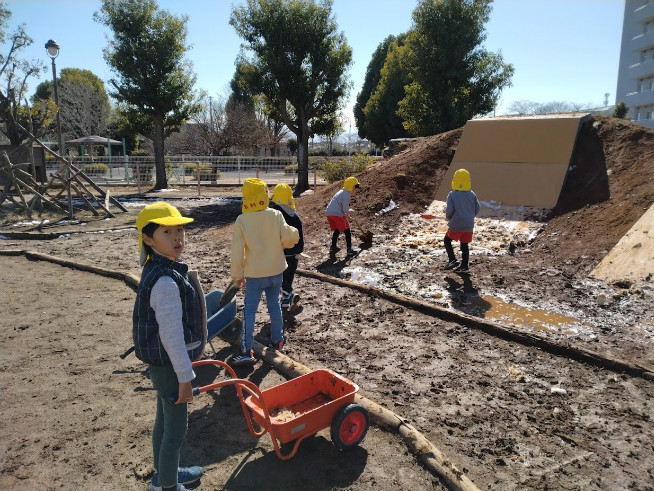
x=127, y=352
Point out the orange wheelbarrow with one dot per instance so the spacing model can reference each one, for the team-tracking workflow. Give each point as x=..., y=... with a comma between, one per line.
x=299, y=408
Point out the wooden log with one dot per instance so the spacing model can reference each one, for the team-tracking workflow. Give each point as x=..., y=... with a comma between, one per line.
x=5, y=191
x=95, y=199
x=83, y=198
x=69, y=164
x=7, y=163
x=430, y=456
x=25, y=176
x=558, y=348
x=36, y=193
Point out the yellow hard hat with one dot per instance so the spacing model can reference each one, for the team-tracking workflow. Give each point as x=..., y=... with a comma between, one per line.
x=255, y=195
x=461, y=180
x=283, y=195
x=349, y=183
x=161, y=213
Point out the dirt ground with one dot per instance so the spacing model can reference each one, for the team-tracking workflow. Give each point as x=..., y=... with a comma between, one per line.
x=509, y=415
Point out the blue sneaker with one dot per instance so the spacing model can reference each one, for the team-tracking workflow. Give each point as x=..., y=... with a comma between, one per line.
x=244, y=358
x=185, y=475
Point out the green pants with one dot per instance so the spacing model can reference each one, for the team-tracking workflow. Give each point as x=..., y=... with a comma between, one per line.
x=170, y=424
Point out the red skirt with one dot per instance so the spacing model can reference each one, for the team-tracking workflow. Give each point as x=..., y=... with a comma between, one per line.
x=338, y=223
x=463, y=237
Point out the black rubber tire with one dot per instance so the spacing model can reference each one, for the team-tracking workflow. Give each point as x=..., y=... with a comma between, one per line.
x=350, y=426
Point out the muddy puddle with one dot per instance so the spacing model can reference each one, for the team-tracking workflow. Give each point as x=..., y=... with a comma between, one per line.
x=419, y=244
x=468, y=300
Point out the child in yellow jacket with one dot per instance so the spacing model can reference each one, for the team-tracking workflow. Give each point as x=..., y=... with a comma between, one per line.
x=257, y=263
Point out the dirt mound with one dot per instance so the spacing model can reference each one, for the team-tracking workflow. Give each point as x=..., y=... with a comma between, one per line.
x=609, y=186
x=409, y=178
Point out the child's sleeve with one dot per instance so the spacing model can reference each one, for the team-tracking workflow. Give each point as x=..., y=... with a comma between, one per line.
x=166, y=302
x=238, y=253
x=288, y=235
x=449, y=206
x=345, y=203
x=301, y=234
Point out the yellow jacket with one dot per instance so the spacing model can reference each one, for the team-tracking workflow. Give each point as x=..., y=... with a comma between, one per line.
x=258, y=244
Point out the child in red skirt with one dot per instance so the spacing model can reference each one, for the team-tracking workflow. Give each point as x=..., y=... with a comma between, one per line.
x=338, y=211
x=461, y=209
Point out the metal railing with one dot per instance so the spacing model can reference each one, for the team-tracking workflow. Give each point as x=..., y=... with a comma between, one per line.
x=189, y=170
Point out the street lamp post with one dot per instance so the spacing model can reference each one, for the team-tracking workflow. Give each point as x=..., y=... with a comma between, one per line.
x=52, y=49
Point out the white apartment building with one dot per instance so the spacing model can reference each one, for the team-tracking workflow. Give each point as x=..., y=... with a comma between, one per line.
x=636, y=70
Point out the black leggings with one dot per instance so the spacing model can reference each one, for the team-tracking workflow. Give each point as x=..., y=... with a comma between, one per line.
x=465, y=251
x=348, y=238
x=289, y=274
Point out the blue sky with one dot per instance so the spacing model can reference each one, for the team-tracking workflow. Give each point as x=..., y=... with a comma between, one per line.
x=562, y=50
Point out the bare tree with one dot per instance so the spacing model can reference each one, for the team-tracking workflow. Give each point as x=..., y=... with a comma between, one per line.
x=14, y=74
x=85, y=106
x=531, y=107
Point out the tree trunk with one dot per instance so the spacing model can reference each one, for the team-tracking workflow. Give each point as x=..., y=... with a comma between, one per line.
x=302, y=159
x=158, y=142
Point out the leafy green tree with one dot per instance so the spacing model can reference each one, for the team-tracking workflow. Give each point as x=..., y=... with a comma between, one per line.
x=84, y=103
x=373, y=75
x=14, y=75
x=292, y=146
x=621, y=110
x=299, y=64
x=152, y=76
x=452, y=77
x=381, y=111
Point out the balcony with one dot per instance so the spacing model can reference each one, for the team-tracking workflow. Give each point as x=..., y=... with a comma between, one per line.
x=644, y=13
x=641, y=70
x=634, y=99
x=642, y=41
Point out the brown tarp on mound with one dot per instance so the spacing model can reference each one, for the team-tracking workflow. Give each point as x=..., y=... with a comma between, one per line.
x=516, y=161
x=632, y=258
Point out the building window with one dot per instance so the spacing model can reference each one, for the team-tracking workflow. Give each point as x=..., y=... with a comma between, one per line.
x=649, y=115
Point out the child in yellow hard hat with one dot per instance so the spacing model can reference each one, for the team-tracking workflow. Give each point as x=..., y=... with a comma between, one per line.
x=462, y=206
x=338, y=211
x=283, y=201
x=257, y=262
x=169, y=332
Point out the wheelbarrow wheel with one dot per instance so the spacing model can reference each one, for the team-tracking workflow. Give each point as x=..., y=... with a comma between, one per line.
x=350, y=426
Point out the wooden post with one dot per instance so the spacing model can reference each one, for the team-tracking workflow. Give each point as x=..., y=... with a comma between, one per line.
x=197, y=173
x=138, y=176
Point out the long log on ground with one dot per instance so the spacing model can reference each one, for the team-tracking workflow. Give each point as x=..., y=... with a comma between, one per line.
x=558, y=348
x=38, y=256
x=431, y=457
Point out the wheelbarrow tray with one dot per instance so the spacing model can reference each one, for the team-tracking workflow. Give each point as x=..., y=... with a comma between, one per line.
x=313, y=399
x=221, y=321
